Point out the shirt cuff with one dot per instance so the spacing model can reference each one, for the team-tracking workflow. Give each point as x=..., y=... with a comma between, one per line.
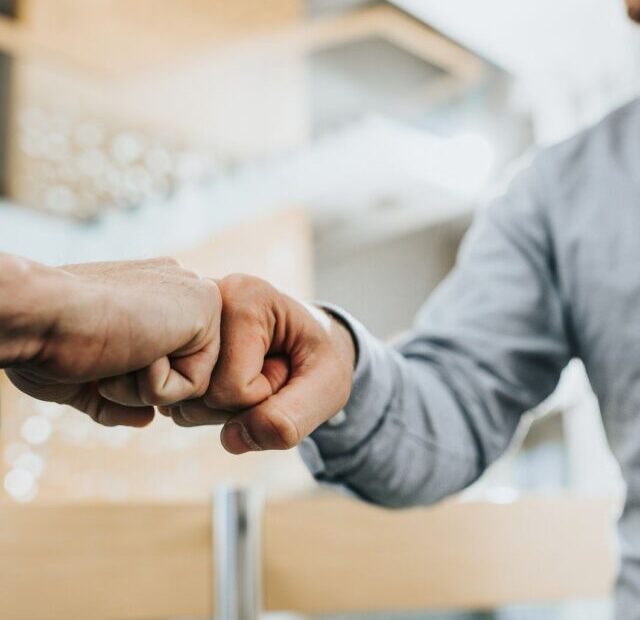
x=328, y=449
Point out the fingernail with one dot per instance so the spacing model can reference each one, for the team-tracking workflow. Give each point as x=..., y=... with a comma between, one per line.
x=237, y=436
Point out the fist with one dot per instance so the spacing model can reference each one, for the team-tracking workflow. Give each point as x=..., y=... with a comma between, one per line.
x=283, y=369
x=114, y=339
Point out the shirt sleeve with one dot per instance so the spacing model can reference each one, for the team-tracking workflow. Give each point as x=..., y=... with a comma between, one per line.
x=427, y=416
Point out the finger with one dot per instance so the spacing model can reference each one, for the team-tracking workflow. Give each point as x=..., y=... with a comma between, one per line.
x=175, y=413
x=244, y=374
x=122, y=390
x=178, y=418
x=108, y=413
x=169, y=381
x=276, y=370
x=284, y=419
x=165, y=382
x=196, y=412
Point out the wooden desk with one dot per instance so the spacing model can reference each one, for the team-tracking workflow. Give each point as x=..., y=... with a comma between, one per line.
x=327, y=555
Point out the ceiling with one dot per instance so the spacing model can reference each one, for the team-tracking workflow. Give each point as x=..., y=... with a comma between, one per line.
x=578, y=38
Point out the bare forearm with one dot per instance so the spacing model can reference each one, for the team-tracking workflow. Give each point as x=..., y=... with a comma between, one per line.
x=25, y=310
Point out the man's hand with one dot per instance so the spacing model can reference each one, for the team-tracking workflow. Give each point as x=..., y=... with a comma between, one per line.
x=284, y=368
x=65, y=333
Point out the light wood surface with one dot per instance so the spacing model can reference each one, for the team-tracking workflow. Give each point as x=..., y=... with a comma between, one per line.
x=99, y=562
x=120, y=37
x=326, y=556
x=321, y=555
x=124, y=37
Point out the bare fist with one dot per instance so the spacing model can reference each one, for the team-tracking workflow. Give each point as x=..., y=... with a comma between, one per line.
x=111, y=339
x=284, y=368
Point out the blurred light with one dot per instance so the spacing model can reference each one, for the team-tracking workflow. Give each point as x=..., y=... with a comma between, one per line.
x=75, y=429
x=31, y=462
x=33, y=117
x=14, y=451
x=126, y=148
x=36, y=430
x=56, y=146
x=190, y=166
x=48, y=410
x=32, y=143
x=116, y=437
x=89, y=135
x=136, y=180
x=20, y=484
x=501, y=495
x=60, y=199
x=92, y=162
x=158, y=160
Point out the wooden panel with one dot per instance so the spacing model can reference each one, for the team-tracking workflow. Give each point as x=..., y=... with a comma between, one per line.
x=121, y=36
x=98, y=562
x=118, y=37
x=326, y=556
x=322, y=555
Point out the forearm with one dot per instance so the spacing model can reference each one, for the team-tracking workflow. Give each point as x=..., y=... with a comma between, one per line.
x=424, y=420
x=402, y=439
x=27, y=308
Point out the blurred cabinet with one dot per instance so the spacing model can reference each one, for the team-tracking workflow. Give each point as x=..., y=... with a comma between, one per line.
x=125, y=36
x=179, y=76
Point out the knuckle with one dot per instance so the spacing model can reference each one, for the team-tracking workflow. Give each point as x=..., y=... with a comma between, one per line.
x=153, y=395
x=240, y=313
x=190, y=415
x=210, y=293
x=235, y=281
x=226, y=393
x=240, y=285
x=200, y=387
x=149, y=397
x=180, y=420
x=12, y=267
x=170, y=261
x=244, y=297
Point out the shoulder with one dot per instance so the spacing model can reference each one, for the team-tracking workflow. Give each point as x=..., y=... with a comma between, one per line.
x=607, y=150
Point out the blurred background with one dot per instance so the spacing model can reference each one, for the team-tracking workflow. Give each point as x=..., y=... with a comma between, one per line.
x=338, y=148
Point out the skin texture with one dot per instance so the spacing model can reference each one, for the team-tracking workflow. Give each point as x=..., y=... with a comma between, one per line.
x=65, y=332
x=633, y=9
x=284, y=368
x=116, y=340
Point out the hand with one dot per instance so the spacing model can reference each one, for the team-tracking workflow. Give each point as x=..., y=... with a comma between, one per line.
x=284, y=368
x=151, y=324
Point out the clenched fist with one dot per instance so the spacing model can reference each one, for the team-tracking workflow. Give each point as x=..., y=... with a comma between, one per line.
x=110, y=339
x=284, y=368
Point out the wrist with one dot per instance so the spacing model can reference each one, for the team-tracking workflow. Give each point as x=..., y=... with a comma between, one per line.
x=344, y=340
x=340, y=335
x=31, y=299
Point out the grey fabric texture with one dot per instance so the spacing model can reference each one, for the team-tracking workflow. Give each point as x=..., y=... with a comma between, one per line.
x=549, y=271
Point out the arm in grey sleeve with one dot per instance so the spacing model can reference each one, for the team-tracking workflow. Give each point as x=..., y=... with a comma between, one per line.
x=426, y=417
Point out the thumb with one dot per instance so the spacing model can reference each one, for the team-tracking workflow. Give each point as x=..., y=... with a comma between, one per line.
x=280, y=422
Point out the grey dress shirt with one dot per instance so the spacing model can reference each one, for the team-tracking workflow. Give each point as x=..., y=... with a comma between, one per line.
x=549, y=271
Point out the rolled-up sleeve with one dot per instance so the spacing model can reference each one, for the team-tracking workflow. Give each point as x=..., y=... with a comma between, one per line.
x=427, y=416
